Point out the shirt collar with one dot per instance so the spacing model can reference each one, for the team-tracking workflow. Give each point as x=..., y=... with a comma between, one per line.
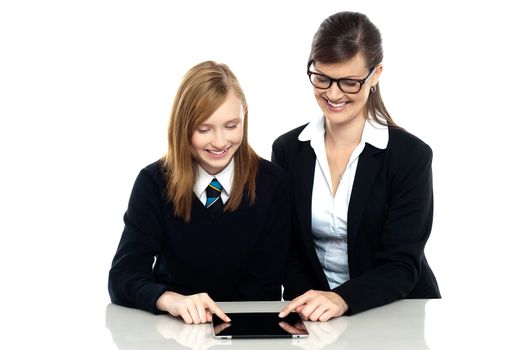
x=224, y=177
x=375, y=134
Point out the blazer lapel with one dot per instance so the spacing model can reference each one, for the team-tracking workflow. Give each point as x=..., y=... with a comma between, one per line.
x=368, y=167
x=303, y=183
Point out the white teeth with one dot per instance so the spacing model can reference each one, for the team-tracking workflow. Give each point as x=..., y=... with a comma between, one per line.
x=336, y=105
x=216, y=152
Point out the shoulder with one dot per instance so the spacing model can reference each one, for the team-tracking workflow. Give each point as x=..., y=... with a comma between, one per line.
x=407, y=154
x=286, y=147
x=149, y=187
x=403, y=143
x=289, y=137
x=271, y=170
x=152, y=175
x=271, y=178
x=154, y=169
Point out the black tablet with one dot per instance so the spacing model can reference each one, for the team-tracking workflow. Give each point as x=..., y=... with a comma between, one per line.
x=259, y=325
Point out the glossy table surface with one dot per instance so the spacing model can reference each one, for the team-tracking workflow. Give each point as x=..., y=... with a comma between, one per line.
x=400, y=325
x=477, y=322
x=406, y=324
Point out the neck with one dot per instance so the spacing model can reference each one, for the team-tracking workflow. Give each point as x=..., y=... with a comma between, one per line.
x=344, y=135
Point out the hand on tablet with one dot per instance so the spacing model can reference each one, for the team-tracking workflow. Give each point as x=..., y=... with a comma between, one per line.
x=316, y=305
x=194, y=309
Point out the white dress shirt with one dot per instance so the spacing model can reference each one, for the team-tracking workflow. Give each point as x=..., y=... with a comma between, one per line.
x=329, y=212
x=224, y=177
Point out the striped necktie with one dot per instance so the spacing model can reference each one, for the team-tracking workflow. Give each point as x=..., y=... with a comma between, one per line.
x=213, y=196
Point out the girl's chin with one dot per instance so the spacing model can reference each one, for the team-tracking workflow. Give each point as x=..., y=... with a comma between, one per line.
x=214, y=164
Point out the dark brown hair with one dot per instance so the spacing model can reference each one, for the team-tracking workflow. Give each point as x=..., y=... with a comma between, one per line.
x=342, y=36
x=204, y=88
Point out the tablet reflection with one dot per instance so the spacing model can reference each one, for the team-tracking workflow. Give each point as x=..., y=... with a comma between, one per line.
x=221, y=327
x=323, y=334
x=400, y=325
x=197, y=337
x=136, y=329
x=298, y=328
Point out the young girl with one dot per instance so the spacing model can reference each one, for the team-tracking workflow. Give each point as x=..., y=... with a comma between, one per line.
x=210, y=220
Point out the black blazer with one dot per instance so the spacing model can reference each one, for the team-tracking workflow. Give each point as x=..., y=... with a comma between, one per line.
x=389, y=221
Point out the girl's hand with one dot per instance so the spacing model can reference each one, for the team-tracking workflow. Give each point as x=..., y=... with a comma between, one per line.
x=194, y=309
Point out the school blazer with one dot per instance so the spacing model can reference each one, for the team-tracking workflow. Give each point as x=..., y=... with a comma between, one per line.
x=389, y=221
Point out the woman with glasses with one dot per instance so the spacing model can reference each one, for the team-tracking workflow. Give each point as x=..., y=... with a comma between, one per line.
x=209, y=221
x=363, y=195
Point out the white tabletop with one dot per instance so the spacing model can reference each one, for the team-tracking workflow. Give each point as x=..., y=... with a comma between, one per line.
x=462, y=323
x=399, y=325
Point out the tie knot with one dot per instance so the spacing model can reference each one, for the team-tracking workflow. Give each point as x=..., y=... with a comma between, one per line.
x=215, y=185
x=213, y=193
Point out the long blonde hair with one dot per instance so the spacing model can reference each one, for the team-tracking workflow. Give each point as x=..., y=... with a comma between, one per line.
x=203, y=90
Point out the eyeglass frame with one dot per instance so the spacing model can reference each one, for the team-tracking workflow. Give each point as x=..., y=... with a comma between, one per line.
x=337, y=81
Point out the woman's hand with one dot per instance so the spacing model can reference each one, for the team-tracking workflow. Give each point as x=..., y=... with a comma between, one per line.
x=316, y=305
x=194, y=309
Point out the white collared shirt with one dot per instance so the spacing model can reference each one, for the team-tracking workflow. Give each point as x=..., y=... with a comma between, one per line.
x=329, y=212
x=224, y=177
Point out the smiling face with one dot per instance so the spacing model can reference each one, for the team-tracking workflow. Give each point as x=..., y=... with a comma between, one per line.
x=339, y=107
x=217, y=139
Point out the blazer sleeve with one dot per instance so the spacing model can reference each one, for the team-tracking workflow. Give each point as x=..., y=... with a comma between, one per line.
x=131, y=282
x=267, y=265
x=404, y=235
x=298, y=279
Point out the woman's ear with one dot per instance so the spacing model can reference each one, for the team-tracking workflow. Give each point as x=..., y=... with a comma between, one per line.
x=376, y=75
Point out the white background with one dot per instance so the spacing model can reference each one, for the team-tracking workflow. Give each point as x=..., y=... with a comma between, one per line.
x=86, y=89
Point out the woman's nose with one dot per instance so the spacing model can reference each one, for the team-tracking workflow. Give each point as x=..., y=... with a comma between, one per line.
x=334, y=93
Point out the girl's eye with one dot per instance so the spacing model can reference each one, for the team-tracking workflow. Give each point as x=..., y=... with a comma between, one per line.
x=202, y=130
x=231, y=126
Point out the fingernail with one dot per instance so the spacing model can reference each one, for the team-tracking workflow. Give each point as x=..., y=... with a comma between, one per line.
x=280, y=314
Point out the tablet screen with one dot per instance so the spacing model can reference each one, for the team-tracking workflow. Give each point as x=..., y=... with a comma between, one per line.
x=259, y=325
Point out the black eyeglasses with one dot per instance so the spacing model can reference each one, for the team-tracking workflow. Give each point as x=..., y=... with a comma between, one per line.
x=346, y=85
